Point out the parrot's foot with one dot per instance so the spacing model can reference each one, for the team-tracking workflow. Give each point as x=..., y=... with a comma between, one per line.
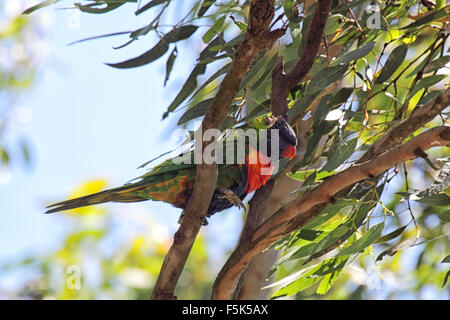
x=203, y=220
x=231, y=197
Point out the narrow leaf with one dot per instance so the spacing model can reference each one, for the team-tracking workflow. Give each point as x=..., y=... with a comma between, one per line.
x=400, y=246
x=196, y=111
x=394, y=61
x=440, y=199
x=366, y=240
x=206, y=4
x=159, y=49
x=98, y=8
x=169, y=64
x=436, y=15
x=426, y=82
x=391, y=235
x=191, y=82
x=39, y=6
x=355, y=54
x=445, y=216
x=149, y=5
x=339, y=156
x=214, y=30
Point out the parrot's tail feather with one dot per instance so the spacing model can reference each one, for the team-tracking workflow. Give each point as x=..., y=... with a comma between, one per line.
x=96, y=198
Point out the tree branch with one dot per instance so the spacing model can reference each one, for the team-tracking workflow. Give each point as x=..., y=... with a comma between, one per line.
x=281, y=84
x=257, y=37
x=295, y=214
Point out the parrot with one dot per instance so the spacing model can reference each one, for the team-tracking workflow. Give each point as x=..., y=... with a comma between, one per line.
x=172, y=182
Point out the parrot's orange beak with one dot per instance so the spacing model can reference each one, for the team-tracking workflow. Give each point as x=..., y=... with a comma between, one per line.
x=289, y=152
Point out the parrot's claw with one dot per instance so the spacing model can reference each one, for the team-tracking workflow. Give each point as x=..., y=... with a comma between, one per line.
x=203, y=220
x=231, y=197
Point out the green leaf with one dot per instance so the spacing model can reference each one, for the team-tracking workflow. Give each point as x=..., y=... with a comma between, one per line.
x=436, y=15
x=334, y=22
x=4, y=156
x=355, y=54
x=339, y=156
x=445, y=216
x=206, y=4
x=426, y=82
x=329, y=212
x=216, y=74
x=326, y=77
x=320, y=128
x=159, y=49
x=447, y=275
x=394, y=61
x=328, y=270
x=431, y=96
x=301, y=104
x=437, y=64
x=322, y=108
x=191, y=82
x=215, y=29
x=440, y=199
x=400, y=246
x=169, y=64
x=296, y=286
x=268, y=70
x=341, y=96
x=39, y=6
x=149, y=5
x=309, y=235
x=327, y=282
x=94, y=7
x=366, y=240
x=391, y=235
x=329, y=239
x=291, y=12
x=196, y=111
x=255, y=69
x=302, y=175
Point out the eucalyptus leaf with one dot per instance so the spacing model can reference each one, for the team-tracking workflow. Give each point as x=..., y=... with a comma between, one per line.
x=394, y=61
x=440, y=199
x=149, y=5
x=39, y=6
x=400, y=246
x=169, y=64
x=159, y=49
x=339, y=156
x=215, y=29
x=433, y=16
x=196, y=111
x=391, y=235
x=355, y=54
x=366, y=240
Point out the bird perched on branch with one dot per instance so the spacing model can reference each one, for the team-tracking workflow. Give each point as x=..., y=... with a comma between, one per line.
x=172, y=182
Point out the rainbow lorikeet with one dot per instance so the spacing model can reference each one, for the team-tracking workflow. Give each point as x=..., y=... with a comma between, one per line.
x=172, y=182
